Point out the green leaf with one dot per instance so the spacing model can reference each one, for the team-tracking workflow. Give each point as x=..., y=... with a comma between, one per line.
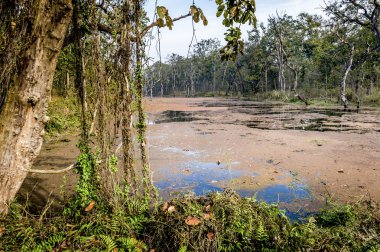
x=160, y=22
x=161, y=11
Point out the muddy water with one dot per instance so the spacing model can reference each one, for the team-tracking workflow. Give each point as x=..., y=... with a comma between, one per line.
x=286, y=154
x=279, y=153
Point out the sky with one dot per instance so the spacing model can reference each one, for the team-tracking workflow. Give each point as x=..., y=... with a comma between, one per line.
x=179, y=38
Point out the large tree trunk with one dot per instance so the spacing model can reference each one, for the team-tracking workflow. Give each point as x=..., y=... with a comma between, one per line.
x=23, y=116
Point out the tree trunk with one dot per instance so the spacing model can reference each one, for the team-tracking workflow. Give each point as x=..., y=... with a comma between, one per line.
x=24, y=115
x=343, y=84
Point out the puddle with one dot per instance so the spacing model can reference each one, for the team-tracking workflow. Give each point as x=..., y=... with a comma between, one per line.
x=201, y=178
x=170, y=116
x=197, y=177
x=279, y=193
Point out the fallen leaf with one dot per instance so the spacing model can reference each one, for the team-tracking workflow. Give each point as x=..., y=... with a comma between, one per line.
x=208, y=208
x=152, y=250
x=64, y=245
x=210, y=236
x=192, y=221
x=165, y=207
x=171, y=209
x=115, y=250
x=1, y=231
x=206, y=216
x=90, y=206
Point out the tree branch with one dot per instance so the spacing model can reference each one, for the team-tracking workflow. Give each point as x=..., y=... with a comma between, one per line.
x=150, y=26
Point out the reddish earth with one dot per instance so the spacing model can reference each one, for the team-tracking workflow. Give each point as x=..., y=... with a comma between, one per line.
x=256, y=145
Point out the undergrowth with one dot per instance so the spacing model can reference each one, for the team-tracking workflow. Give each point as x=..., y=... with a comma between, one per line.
x=64, y=116
x=217, y=222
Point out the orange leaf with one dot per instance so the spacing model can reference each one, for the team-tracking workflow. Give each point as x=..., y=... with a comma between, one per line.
x=171, y=209
x=165, y=206
x=1, y=231
x=207, y=216
x=208, y=208
x=192, y=221
x=210, y=236
x=90, y=206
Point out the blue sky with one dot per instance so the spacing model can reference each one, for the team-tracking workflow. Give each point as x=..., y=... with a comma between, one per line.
x=178, y=40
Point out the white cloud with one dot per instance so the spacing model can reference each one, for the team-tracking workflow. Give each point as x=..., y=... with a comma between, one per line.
x=178, y=40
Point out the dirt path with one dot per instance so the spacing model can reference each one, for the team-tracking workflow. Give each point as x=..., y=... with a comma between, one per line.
x=208, y=143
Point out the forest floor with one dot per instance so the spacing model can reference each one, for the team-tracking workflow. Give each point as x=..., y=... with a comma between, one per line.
x=279, y=152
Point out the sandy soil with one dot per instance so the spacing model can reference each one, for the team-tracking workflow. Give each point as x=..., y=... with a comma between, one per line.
x=261, y=149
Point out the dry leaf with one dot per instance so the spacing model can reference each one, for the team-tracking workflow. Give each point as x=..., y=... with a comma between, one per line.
x=1, y=231
x=115, y=250
x=192, y=221
x=171, y=209
x=165, y=207
x=152, y=250
x=90, y=206
x=206, y=216
x=64, y=245
x=208, y=208
x=210, y=236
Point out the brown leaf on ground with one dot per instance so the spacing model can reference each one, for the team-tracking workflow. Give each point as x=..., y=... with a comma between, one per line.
x=165, y=207
x=64, y=245
x=115, y=250
x=90, y=206
x=171, y=209
x=1, y=231
x=207, y=216
x=208, y=208
x=152, y=250
x=210, y=236
x=192, y=221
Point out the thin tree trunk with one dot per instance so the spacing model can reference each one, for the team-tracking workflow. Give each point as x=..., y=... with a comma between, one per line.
x=141, y=129
x=23, y=116
x=266, y=79
x=126, y=114
x=343, y=84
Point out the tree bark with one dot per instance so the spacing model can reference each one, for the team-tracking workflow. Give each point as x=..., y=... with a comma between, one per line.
x=343, y=84
x=24, y=115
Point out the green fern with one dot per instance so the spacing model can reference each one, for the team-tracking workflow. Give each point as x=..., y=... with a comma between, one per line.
x=51, y=242
x=261, y=234
x=108, y=242
x=131, y=244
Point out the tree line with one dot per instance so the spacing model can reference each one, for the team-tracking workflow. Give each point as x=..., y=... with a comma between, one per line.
x=305, y=54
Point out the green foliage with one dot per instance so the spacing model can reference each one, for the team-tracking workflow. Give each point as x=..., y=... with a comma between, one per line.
x=88, y=183
x=64, y=116
x=234, y=12
x=227, y=222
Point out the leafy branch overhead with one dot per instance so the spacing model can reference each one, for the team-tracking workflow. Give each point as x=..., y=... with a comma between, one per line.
x=235, y=12
x=164, y=18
